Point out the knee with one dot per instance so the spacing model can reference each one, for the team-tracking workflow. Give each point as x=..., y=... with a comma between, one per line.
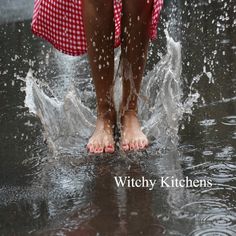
x=140, y=8
x=98, y=6
x=96, y=11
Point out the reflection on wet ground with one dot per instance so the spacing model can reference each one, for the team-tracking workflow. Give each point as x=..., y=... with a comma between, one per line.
x=76, y=194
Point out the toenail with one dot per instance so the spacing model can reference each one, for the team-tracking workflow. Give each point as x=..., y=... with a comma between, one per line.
x=125, y=147
x=109, y=149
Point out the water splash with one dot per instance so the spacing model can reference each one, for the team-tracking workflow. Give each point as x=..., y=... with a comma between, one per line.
x=68, y=121
x=163, y=88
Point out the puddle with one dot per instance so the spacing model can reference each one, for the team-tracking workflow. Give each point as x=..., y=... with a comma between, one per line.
x=49, y=185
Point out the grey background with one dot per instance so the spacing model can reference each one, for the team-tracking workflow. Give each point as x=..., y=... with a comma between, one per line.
x=15, y=10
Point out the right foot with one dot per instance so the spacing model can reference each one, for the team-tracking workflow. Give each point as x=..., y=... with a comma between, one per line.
x=102, y=139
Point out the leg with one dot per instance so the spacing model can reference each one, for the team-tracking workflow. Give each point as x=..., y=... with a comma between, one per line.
x=99, y=31
x=135, y=25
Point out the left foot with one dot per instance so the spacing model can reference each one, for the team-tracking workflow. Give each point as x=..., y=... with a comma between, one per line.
x=132, y=137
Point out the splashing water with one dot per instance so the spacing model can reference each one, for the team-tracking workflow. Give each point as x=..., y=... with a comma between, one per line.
x=68, y=121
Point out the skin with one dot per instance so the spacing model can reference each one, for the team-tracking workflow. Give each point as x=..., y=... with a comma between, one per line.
x=99, y=31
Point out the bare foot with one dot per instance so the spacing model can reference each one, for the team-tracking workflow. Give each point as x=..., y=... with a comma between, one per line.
x=102, y=139
x=132, y=137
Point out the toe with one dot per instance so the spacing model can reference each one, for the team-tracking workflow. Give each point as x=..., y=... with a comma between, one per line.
x=88, y=146
x=98, y=150
x=145, y=143
x=141, y=144
x=91, y=149
x=132, y=146
x=109, y=148
x=136, y=145
x=125, y=146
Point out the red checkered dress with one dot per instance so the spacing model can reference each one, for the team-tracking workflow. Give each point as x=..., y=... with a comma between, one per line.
x=60, y=22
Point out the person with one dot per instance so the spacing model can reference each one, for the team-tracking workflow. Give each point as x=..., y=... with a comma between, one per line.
x=96, y=27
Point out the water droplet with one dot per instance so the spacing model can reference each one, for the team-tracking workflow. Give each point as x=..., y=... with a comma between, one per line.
x=208, y=122
x=229, y=120
x=207, y=153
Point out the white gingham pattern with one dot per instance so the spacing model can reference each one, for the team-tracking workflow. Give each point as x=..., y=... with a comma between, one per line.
x=60, y=22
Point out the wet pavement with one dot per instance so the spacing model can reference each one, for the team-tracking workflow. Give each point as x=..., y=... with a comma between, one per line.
x=43, y=193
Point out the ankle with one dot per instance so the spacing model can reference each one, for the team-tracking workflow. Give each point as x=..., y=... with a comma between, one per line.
x=129, y=117
x=107, y=114
x=128, y=108
x=127, y=112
